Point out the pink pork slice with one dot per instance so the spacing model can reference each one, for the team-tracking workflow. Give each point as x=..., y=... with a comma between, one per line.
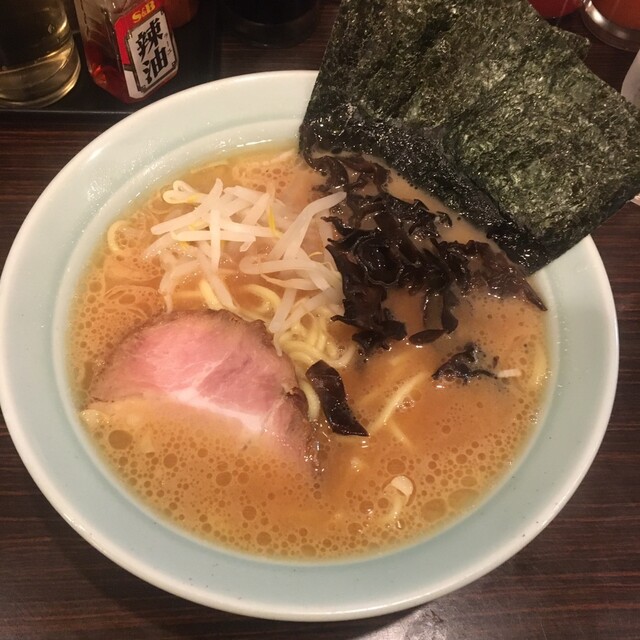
x=217, y=362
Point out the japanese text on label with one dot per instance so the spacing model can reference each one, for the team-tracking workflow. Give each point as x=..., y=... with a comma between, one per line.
x=152, y=51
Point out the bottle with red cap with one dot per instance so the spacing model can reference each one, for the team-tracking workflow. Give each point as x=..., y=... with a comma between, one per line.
x=129, y=45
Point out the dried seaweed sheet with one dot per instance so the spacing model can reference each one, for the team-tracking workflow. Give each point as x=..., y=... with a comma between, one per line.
x=486, y=106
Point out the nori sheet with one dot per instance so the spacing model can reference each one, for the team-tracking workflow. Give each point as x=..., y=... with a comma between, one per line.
x=486, y=106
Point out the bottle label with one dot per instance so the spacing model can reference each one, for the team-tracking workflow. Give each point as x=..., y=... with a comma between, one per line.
x=146, y=46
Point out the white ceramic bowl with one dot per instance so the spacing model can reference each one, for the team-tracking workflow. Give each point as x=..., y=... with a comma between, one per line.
x=144, y=151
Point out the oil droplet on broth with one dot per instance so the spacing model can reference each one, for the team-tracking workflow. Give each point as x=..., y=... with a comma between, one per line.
x=119, y=439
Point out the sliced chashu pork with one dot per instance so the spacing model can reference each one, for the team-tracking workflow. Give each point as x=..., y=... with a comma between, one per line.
x=214, y=361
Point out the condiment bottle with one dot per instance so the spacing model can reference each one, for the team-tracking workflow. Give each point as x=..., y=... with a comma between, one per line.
x=129, y=45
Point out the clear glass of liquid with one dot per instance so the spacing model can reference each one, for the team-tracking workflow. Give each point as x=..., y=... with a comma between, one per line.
x=38, y=59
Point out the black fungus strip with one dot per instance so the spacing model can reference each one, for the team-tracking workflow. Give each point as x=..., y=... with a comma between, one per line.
x=426, y=337
x=463, y=366
x=327, y=383
x=449, y=301
x=387, y=244
x=378, y=260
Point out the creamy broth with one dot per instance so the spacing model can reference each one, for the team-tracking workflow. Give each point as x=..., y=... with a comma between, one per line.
x=427, y=461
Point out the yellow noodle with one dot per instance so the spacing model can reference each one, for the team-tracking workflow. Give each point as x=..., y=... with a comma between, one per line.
x=539, y=369
x=346, y=357
x=112, y=241
x=303, y=358
x=303, y=347
x=312, y=399
x=188, y=295
x=396, y=399
x=267, y=295
x=395, y=430
x=210, y=298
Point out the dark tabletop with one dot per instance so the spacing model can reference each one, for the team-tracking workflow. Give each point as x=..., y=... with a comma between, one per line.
x=579, y=579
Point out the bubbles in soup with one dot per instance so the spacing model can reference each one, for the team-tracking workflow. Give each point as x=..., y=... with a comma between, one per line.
x=435, y=448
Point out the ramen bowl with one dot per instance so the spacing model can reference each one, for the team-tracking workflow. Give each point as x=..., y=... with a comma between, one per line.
x=138, y=155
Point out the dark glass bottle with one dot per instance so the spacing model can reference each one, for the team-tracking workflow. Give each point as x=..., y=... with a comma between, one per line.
x=273, y=22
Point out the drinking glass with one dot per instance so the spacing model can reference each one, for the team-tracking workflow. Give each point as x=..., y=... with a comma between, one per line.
x=38, y=59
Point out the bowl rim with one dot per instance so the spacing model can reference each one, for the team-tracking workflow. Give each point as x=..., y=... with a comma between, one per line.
x=295, y=597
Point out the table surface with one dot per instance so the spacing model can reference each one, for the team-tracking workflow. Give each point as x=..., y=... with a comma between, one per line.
x=580, y=578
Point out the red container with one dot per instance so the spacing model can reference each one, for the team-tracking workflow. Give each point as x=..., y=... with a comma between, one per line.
x=624, y=13
x=555, y=8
